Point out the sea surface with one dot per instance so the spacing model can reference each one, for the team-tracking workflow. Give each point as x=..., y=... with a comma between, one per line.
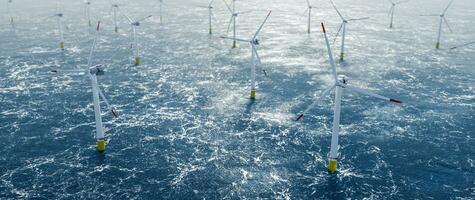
x=187, y=128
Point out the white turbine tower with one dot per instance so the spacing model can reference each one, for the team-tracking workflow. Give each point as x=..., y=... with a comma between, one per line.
x=309, y=12
x=255, y=59
x=92, y=72
x=441, y=21
x=343, y=29
x=210, y=16
x=391, y=10
x=160, y=2
x=133, y=25
x=341, y=83
x=87, y=11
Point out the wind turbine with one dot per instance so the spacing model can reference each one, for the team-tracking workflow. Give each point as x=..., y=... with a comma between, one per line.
x=160, y=7
x=115, y=10
x=92, y=72
x=210, y=15
x=391, y=10
x=255, y=56
x=343, y=27
x=59, y=16
x=309, y=11
x=87, y=10
x=341, y=83
x=234, y=15
x=442, y=19
x=134, y=24
x=9, y=13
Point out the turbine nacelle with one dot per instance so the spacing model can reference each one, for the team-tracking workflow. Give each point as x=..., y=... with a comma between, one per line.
x=136, y=24
x=342, y=80
x=97, y=70
x=59, y=15
x=255, y=41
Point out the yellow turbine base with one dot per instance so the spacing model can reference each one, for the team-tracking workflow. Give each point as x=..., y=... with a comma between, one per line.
x=101, y=145
x=116, y=29
x=234, y=44
x=253, y=94
x=437, y=45
x=61, y=45
x=137, y=61
x=342, y=56
x=210, y=31
x=332, y=165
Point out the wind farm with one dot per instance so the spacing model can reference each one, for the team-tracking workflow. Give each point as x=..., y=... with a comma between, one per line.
x=318, y=99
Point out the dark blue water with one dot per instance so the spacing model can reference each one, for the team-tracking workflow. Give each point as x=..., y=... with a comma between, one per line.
x=187, y=129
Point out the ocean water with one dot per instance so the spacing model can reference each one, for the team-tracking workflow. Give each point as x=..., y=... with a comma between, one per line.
x=187, y=129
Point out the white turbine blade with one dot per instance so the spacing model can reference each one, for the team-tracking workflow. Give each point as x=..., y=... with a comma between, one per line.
x=91, y=53
x=128, y=18
x=262, y=25
x=466, y=44
x=390, y=10
x=338, y=33
x=143, y=19
x=211, y=3
x=357, y=19
x=58, y=71
x=308, y=3
x=433, y=15
x=322, y=96
x=259, y=62
x=114, y=113
x=227, y=6
x=229, y=24
x=447, y=23
x=214, y=17
x=330, y=55
x=231, y=38
x=401, y=2
x=390, y=1
x=341, y=16
x=305, y=12
x=448, y=6
x=362, y=91
x=244, y=12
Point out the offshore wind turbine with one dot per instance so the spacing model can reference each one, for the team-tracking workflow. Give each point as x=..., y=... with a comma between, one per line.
x=92, y=72
x=442, y=20
x=340, y=84
x=232, y=20
x=133, y=25
x=9, y=13
x=87, y=11
x=210, y=16
x=160, y=2
x=343, y=29
x=309, y=12
x=391, y=10
x=255, y=59
x=59, y=16
x=115, y=12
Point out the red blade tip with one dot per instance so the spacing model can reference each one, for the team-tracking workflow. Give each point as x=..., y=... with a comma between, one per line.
x=395, y=100
x=299, y=117
x=323, y=28
x=98, y=25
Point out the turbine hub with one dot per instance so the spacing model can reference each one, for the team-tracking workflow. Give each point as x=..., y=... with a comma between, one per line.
x=59, y=14
x=255, y=41
x=136, y=24
x=342, y=79
x=96, y=70
x=115, y=5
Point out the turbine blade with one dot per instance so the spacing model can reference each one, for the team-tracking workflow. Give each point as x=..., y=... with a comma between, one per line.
x=308, y=3
x=341, y=16
x=362, y=91
x=128, y=18
x=227, y=6
x=211, y=3
x=262, y=25
x=338, y=33
x=448, y=6
x=322, y=96
x=433, y=15
x=466, y=44
x=229, y=24
x=259, y=62
x=401, y=2
x=114, y=113
x=447, y=23
x=237, y=39
x=58, y=71
x=330, y=55
x=390, y=11
x=144, y=18
x=91, y=53
x=357, y=19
